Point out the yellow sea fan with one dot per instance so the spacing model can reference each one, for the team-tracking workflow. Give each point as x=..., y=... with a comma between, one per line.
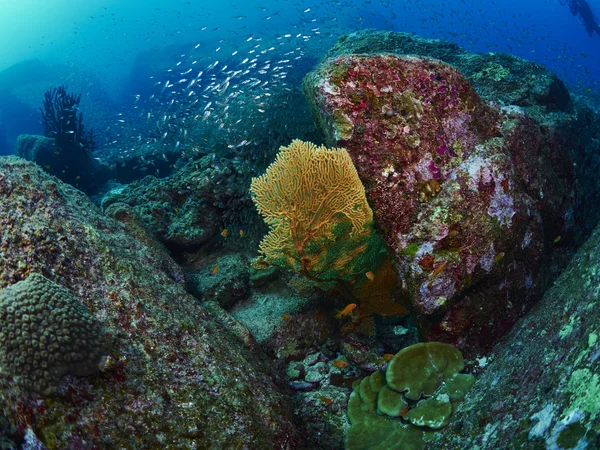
x=316, y=209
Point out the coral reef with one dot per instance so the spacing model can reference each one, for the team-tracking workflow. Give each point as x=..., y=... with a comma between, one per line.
x=63, y=121
x=47, y=332
x=71, y=159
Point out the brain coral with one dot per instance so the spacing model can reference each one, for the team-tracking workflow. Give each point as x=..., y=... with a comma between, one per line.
x=46, y=332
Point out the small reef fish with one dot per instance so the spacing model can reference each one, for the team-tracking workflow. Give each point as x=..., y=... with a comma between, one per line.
x=241, y=233
x=438, y=270
x=326, y=400
x=340, y=364
x=286, y=316
x=214, y=270
x=370, y=276
x=387, y=357
x=225, y=233
x=347, y=310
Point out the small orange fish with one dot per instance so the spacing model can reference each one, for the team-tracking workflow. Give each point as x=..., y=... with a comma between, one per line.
x=340, y=364
x=556, y=239
x=225, y=232
x=404, y=412
x=286, y=316
x=387, y=357
x=318, y=315
x=326, y=400
x=499, y=257
x=241, y=233
x=347, y=310
x=370, y=276
x=215, y=270
x=437, y=271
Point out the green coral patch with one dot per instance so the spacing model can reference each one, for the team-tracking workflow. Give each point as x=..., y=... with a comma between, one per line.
x=376, y=381
x=420, y=368
x=366, y=394
x=433, y=413
x=390, y=402
x=402, y=407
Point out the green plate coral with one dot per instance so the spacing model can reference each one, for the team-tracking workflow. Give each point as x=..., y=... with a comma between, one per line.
x=415, y=396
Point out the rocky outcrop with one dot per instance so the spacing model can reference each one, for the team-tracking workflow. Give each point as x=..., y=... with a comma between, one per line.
x=473, y=198
x=175, y=377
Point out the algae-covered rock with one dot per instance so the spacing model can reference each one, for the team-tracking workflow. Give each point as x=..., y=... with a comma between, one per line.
x=176, y=376
x=473, y=164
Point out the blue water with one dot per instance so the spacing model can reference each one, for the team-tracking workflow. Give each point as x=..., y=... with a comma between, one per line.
x=103, y=38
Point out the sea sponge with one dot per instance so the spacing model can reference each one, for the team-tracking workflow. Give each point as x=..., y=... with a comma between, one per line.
x=46, y=332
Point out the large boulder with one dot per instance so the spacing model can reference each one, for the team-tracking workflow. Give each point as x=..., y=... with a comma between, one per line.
x=539, y=387
x=175, y=376
x=472, y=198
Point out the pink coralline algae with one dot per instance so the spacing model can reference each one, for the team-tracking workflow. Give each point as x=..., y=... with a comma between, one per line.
x=445, y=174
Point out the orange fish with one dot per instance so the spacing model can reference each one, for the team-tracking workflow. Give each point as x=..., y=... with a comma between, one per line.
x=388, y=356
x=241, y=233
x=370, y=276
x=326, y=400
x=437, y=271
x=286, y=316
x=347, y=310
x=225, y=232
x=215, y=270
x=340, y=364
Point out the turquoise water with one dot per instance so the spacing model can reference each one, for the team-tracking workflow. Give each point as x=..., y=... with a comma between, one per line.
x=112, y=43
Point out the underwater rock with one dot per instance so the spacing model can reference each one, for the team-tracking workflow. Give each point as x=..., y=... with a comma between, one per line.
x=472, y=199
x=281, y=320
x=499, y=77
x=222, y=278
x=189, y=207
x=539, y=387
x=84, y=172
x=128, y=217
x=175, y=376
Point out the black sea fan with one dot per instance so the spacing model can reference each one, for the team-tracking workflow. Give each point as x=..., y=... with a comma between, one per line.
x=63, y=121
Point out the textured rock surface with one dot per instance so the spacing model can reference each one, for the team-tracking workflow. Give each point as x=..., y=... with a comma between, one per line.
x=540, y=386
x=189, y=207
x=472, y=198
x=224, y=279
x=176, y=376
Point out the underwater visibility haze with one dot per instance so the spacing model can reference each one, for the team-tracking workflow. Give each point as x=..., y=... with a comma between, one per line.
x=290, y=224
